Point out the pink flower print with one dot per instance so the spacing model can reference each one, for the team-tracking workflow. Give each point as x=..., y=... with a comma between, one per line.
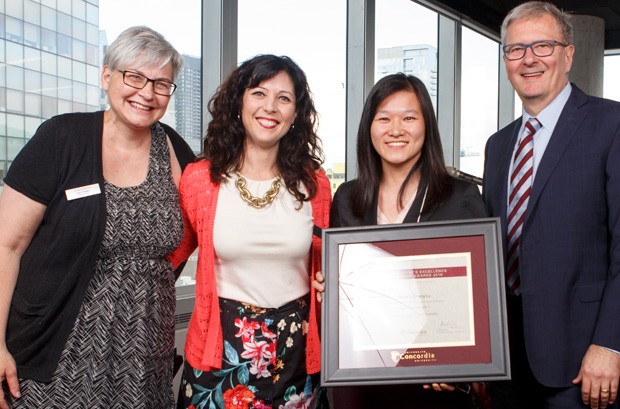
x=256, y=350
x=296, y=402
x=259, y=404
x=259, y=367
x=246, y=329
x=266, y=332
x=272, y=350
x=260, y=353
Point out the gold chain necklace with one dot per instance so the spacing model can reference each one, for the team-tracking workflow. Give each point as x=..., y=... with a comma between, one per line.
x=258, y=202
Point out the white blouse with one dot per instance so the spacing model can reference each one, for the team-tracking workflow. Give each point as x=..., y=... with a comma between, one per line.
x=261, y=255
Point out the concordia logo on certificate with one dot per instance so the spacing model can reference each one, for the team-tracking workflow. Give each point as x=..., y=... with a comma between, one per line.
x=428, y=299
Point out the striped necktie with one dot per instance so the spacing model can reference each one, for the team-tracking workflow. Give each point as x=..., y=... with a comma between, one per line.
x=521, y=180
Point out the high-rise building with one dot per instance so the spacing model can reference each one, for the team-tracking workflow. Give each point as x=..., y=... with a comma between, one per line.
x=336, y=175
x=419, y=60
x=187, y=103
x=49, y=64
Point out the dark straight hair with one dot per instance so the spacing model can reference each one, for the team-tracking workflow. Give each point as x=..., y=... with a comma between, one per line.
x=431, y=162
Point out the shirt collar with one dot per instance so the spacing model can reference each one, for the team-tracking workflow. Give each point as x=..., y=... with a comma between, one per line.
x=549, y=116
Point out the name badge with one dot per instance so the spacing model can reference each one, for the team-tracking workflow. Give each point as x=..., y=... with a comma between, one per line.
x=83, y=191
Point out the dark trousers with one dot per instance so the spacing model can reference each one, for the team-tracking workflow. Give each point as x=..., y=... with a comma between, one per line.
x=523, y=390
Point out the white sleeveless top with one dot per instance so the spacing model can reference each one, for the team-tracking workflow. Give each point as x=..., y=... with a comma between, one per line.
x=261, y=255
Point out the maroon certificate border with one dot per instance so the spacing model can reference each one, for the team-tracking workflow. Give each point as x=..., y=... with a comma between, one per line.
x=486, y=360
x=474, y=245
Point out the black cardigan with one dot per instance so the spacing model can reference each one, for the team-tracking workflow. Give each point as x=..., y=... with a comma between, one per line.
x=57, y=266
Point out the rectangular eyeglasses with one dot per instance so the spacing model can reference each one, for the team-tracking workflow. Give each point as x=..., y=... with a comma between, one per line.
x=541, y=48
x=139, y=81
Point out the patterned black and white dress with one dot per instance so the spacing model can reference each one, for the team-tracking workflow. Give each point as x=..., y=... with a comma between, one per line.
x=120, y=351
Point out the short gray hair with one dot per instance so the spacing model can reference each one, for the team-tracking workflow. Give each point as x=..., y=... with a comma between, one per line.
x=536, y=9
x=145, y=46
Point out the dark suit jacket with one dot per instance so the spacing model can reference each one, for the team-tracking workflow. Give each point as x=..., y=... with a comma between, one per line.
x=570, y=248
x=464, y=203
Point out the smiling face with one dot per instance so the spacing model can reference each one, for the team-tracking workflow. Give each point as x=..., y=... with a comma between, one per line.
x=268, y=111
x=136, y=108
x=538, y=80
x=397, y=130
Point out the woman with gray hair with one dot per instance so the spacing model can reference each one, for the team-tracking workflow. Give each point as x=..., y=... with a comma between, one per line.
x=89, y=211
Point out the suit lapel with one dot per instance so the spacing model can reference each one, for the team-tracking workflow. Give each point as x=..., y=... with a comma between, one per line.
x=565, y=130
x=416, y=207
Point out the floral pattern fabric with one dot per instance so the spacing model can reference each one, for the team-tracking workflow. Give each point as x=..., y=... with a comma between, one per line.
x=264, y=361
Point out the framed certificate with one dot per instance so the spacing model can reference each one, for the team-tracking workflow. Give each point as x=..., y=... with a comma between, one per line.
x=414, y=303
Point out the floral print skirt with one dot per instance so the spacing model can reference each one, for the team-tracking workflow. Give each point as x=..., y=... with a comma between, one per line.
x=264, y=363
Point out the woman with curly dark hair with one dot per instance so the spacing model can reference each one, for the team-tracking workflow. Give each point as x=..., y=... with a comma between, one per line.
x=250, y=205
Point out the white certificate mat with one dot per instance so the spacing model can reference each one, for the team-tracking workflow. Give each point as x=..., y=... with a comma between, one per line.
x=389, y=304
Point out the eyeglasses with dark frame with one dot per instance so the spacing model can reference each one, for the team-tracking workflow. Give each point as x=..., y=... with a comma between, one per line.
x=541, y=48
x=139, y=81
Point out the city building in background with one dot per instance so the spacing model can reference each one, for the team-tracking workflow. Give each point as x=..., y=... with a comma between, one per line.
x=187, y=103
x=50, y=64
x=336, y=175
x=418, y=60
x=51, y=55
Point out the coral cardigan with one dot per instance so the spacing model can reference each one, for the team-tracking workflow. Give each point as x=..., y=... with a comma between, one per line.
x=204, y=342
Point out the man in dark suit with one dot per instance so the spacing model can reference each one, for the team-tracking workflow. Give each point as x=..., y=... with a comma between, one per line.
x=553, y=176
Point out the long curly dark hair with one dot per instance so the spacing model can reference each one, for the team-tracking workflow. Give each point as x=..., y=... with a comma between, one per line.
x=431, y=163
x=299, y=154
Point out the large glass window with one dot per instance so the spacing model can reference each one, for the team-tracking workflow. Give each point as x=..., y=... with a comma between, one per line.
x=15, y=101
x=52, y=53
x=479, y=98
x=65, y=89
x=48, y=63
x=316, y=41
x=402, y=46
x=50, y=85
x=48, y=18
x=32, y=12
x=180, y=26
x=32, y=35
x=3, y=142
x=33, y=102
x=32, y=58
x=64, y=23
x=79, y=10
x=15, y=8
x=48, y=40
x=2, y=108
x=14, y=29
x=33, y=81
x=611, y=84
x=15, y=77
